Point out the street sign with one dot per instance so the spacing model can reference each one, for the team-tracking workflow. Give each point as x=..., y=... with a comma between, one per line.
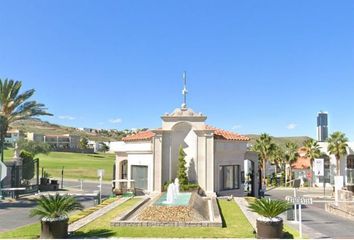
x=299, y=200
x=318, y=167
x=3, y=171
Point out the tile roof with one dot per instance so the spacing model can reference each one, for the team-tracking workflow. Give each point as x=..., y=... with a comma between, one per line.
x=302, y=162
x=144, y=135
x=226, y=135
x=218, y=134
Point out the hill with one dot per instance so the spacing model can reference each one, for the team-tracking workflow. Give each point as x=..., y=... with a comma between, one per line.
x=281, y=140
x=43, y=127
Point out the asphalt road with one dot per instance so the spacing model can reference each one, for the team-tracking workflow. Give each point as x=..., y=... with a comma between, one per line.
x=318, y=222
x=16, y=214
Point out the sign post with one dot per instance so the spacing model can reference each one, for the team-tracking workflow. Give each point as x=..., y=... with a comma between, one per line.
x=318, y=168
x=299, y=201
x=297, y=183
x=100, y=173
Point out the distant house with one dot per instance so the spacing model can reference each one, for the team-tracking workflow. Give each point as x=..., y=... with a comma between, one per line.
x=97, y=146
x=12, y=136
x=88, y=130
x=301, y=168
x=59, y=142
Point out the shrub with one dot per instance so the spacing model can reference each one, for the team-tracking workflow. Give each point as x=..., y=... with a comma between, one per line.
x=182, y=170
x=55, y=206
x=269, y=208
x=27, y=165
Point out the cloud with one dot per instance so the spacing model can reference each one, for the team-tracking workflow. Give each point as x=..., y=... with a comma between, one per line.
x=115, y=120
x=235, y=127
x=291, y=126
x=66, y=117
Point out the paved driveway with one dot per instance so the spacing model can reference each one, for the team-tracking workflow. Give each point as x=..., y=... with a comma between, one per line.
x=316, y=219
x=16, y=214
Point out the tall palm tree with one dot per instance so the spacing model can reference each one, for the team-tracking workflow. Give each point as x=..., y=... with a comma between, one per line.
x=264, y=146
x=337, y=146
x=277, y=157
x=291, y=156
x=15, y=106
x=313, y=151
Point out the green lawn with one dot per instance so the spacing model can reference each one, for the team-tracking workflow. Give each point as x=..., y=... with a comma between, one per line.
x=76, y=165
x=8, y=154
x=236, y=226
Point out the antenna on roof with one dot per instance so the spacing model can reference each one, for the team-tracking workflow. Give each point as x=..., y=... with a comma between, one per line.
x=184, y=91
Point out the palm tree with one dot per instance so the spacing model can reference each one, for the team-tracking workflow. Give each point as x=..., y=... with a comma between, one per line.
x=277, y=157
x=337, y=146
x=264, y=147
x=313, y=151
x=15, y=106
x=54, y=211
x=291, y=156
x=55, y=206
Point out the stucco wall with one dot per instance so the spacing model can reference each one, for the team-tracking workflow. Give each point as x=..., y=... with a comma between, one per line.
x=229, y=153
x=142, y=160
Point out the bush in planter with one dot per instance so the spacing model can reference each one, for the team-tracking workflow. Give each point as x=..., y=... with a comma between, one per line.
x=54, y=210
x=269, y=225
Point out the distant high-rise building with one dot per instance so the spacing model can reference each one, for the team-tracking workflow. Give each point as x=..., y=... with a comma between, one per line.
x=322, y=126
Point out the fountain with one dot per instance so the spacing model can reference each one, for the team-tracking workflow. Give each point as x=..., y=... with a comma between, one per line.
x=173, y=209
x=176, y=186
x=172, y=192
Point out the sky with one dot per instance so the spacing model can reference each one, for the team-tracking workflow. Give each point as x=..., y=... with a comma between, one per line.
x=252, y=66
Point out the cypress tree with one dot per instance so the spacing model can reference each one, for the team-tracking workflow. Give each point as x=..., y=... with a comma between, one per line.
x=182, y=170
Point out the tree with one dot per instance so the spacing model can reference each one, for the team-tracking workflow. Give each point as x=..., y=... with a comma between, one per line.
x=33, y=147
x=291, y=156
x=27, y=165
x=277, y=156
x=104, y=147
x=337, y=146
x=313, y=150
x=15, y=106
x=84, y=143
x=182, y=170
x=264, y=147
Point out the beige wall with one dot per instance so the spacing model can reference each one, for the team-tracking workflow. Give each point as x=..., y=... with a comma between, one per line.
x=229, y=153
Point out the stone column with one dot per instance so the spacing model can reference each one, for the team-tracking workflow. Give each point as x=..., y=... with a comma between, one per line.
x=157, y=173
x=210, y=164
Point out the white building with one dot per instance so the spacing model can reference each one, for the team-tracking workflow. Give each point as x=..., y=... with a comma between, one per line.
x=346, y=166
x=215, y=157
x=12, y=136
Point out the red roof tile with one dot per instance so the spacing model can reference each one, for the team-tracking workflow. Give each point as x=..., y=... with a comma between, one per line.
x=226, y=135
x=218, y=134
x=302, y=162
x=145, y=135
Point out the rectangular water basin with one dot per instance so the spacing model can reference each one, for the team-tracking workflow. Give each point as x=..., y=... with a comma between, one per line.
x=181, y=200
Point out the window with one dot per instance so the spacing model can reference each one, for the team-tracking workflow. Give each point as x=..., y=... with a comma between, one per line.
x=230, y=177
x=350, y=170
x=327, y=170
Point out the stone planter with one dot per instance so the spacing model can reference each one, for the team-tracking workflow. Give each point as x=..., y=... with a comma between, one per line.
x=54, y=228
x=269, y=228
